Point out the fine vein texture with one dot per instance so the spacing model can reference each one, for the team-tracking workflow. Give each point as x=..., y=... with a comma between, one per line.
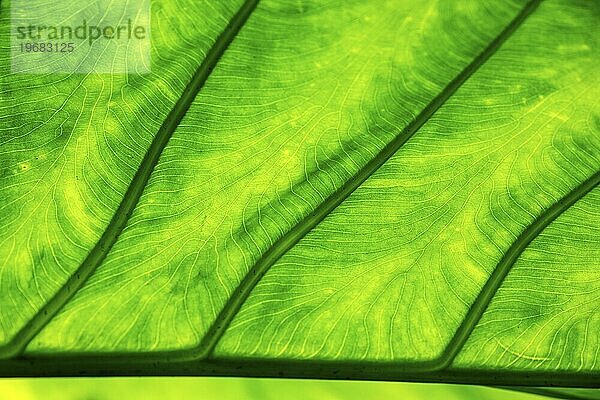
x=132, y=195
x=69, y=147
x=505, y=265
x=281, y=124
x=391, y=274
x=393, y=190
x=545, y=316
x=291, y=238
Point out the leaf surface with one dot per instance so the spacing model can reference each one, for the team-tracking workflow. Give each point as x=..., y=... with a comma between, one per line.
x=359, y=189
x=71, y=144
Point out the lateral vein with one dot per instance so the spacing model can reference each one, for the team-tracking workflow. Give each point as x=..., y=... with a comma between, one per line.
x=294, y=235
x=19, y=342
x=504, y=266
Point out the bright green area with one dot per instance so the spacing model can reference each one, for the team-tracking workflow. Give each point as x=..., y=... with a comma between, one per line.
x=241, y=389
x=391, y=273
x=69, y=146
x=283, y=121
x=545, y=316
x=307, y=94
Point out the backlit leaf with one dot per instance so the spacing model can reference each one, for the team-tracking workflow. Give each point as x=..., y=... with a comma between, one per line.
x=399, y=190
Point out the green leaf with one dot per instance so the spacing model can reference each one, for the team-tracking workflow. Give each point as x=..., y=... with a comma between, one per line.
x=71, y=145
x=388, y=190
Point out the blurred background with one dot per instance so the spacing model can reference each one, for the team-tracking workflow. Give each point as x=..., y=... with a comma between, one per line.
x=240, y=389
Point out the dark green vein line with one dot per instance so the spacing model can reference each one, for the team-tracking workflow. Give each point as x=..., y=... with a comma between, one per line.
x=504, y=266
x=288, y=240
x=97, y=255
